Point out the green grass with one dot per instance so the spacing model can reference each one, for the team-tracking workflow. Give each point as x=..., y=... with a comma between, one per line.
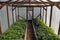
x=44, y=32
x=15, y=32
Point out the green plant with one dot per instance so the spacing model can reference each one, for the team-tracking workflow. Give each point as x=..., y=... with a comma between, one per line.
x=44, y=32
x=15, y=32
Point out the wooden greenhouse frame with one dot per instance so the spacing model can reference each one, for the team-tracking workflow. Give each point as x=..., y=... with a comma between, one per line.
x=18, y=5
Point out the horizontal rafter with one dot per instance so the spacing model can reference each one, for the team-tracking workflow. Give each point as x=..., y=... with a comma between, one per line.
x=52, y=3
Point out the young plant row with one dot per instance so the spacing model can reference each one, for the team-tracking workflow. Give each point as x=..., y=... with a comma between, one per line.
x=15, y=32
x=44, y=32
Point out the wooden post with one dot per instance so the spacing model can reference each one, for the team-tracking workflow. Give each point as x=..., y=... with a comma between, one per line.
x=18, y=13
x=26, y=13
x=46, y=15
x=40, y=12
x=0, y=28
x=15, y=14
x=43, y=13
x=12, y=14
x=32, y=13
x=51, y=16
x=8, y=16
x=59, y=29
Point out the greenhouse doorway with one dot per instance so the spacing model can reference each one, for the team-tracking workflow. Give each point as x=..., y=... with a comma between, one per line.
x=30, y=13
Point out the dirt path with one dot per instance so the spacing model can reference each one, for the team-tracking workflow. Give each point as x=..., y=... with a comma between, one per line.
x=30, y=32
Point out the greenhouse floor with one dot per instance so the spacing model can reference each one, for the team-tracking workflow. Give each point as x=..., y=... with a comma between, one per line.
x=30, y=32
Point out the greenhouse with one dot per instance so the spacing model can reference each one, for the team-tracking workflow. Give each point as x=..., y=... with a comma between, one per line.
x=29, y=19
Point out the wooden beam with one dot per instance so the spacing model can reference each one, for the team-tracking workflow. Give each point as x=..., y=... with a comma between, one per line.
x=59, y=29
x=2, y=5
x=52, y=3
x=0, y=28
x=15, y=14
x=51, y=16
x=12, y=14
x=8, y=16
x=43, y=13
x=40, y=12
x=46, y=15
x=30, y=5
x=58, y=6
x=32, y=13
x=55, y=5
x=18, y=12
x=26, y=13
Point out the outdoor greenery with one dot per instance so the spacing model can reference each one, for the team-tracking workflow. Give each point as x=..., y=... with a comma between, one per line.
x=15, y=32
x=44, y=32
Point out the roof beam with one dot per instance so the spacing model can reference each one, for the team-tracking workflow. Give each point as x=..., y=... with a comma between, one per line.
x=2, y=5
x=55, y=5
x=30, y=5
x=52, y=3
x=58, y=6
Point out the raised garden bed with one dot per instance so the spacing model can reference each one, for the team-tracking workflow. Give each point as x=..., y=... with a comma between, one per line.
x=15, y=32
x=44, y=32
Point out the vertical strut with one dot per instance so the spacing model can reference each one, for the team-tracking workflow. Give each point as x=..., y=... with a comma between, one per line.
x=51, y=16
x=7, y=16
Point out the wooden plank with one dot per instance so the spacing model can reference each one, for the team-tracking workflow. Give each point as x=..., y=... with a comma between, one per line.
x=51, y=16
x=8, y=16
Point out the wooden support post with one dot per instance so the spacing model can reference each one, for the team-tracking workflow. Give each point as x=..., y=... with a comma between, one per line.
x=12, y=14
x=15, y=14
x=46, y=15
x=59, y=29
x=40, y=12
x=26, y=13
x=0, y=28
x=43, y=13
x=51, y=16
x=32, y=13
x=18, y=13
x=8, y=16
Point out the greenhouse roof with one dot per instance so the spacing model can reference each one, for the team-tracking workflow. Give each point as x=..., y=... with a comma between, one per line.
x=30, y=3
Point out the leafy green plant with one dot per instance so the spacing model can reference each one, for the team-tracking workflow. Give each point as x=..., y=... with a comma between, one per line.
x=15, y=32
x=44, y=32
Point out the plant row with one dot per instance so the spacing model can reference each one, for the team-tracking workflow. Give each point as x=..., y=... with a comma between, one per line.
x=44, y=32
x=15, y=32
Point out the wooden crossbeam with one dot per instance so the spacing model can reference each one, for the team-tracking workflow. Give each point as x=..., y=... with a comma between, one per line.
x=30, y=5
x=58, y=6
x=2, y=5
x=52, y=3
x=55, y=5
